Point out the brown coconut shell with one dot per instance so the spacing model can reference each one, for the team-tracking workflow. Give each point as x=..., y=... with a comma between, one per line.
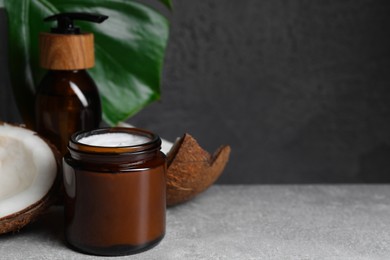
x=16, y=221
x=191, y=169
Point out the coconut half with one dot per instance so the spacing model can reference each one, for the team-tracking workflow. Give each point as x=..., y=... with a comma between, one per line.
x=191, y=169
x=28, y=176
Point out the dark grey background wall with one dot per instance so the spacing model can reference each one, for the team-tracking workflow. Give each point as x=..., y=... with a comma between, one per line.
x=299, y=89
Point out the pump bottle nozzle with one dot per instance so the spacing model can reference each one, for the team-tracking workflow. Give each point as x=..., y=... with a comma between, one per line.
x=65, y=23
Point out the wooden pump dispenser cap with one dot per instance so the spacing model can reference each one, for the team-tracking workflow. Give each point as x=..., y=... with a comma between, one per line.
x=66, y=48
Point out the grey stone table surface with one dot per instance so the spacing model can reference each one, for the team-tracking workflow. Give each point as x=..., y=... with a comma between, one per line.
x=247, y=222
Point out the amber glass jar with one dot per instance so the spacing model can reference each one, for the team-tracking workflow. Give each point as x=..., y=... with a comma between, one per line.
x=114, y=196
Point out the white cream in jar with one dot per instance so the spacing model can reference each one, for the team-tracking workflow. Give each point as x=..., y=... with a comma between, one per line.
x=114, y=140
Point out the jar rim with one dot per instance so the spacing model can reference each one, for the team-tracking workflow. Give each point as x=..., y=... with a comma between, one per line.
x=153, y=143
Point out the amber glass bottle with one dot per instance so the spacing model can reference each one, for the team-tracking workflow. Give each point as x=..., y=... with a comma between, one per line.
x=114, y=196
x=67, y=101
x=67, y=98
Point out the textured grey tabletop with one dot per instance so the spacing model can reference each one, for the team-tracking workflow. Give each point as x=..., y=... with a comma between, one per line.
x=247, y=222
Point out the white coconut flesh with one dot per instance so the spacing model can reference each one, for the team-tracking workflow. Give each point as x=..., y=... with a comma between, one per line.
x=28, y=169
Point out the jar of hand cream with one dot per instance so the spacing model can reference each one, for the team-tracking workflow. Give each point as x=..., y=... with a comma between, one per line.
x=114, y=182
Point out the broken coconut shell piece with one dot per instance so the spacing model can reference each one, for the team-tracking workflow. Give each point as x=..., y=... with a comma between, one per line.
x=29, y=178
x=191, y=170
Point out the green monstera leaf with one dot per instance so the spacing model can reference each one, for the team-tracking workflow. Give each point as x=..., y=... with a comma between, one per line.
x=129, y=49
x=168, y=3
